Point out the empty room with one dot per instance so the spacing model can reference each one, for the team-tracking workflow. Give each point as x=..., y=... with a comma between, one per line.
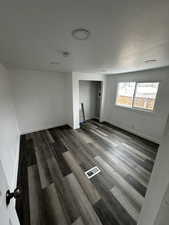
x=84, y=112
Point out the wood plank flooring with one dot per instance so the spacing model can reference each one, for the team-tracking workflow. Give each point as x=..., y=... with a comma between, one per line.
x=55, y=189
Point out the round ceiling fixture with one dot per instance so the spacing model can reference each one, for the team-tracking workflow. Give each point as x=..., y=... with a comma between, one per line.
x=81, y=34
x=65, y=53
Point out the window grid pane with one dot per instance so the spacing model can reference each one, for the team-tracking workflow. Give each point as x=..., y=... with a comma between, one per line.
x=145, y=95
x=125, y=94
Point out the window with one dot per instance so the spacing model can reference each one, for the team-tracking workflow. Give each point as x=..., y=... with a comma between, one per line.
x=145, y=95
x=140, y=95
x=125, y=94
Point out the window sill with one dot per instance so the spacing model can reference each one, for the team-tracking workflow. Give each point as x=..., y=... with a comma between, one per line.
x=136, y=109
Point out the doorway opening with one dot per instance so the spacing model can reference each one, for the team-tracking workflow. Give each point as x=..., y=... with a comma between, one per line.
x=90, y=93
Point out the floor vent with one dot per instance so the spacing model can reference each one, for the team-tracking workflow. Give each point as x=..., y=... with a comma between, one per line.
x=92, y=172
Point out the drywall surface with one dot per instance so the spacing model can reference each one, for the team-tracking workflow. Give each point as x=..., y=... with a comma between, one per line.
x=146, y=124
x=76, y=77
x=89, y=97
x=163, y=215
x=9, y=133
x=154, y=209
x=69, y=100
x=39, y=99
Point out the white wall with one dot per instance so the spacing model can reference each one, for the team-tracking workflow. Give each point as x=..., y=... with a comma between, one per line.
x=69, y=100
x=9, y=147
x=163, y=215
x=9, y=133
x=75, y=90
x=88, y=91
x=148, y=125
x=39, y=99
x=47, y=99
x=151, y=212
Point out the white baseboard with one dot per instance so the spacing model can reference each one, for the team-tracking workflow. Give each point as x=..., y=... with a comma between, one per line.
x=136, y=132
x=31, y=130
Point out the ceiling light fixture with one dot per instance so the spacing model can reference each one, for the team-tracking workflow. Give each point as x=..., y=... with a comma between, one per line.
x=60, y=53
x=81, y=34
x=65, y=53
x=150, y=60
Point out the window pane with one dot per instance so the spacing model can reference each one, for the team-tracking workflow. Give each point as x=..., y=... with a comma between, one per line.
x=125, y=94
x=145, y=95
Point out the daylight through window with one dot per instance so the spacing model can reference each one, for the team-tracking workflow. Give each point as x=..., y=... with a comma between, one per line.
x=141, y=95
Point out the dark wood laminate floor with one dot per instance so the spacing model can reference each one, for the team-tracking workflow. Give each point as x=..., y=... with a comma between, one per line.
x=56, y=189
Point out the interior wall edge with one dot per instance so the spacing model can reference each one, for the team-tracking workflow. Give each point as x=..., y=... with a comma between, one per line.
x=10, y=132
x=16, y=165
x=158, y=184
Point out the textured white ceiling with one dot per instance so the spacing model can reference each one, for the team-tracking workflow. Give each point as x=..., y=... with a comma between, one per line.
x=124, y=33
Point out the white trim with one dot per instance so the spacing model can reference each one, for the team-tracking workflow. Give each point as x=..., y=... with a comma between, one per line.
x=32, y=130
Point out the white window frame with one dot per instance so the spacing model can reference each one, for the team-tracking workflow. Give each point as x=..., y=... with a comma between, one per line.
x=132, y=106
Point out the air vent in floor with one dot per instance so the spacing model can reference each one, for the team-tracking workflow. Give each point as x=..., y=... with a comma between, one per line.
x=92, y=172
